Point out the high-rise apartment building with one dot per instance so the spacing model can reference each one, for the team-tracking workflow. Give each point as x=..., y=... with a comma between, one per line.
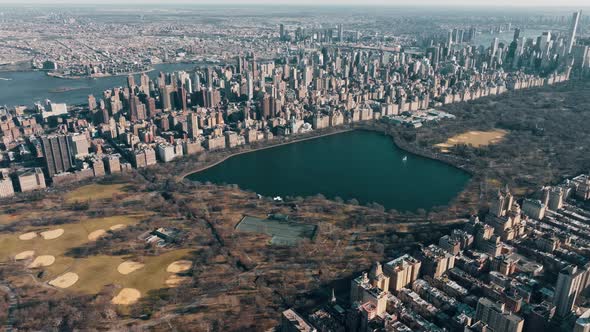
x=495, y=315
x=568, y=285
x=402, y=271
x=58, y=154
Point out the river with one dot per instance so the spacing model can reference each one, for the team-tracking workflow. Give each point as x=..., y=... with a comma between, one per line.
x=363, y=165
x=28, y=87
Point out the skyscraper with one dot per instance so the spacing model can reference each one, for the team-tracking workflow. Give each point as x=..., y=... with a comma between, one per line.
x=193, y=125
x=57, y=153
x=340, y=33
x=131, y=81
x=282, y=32
x=568, y=285
x=574, y=27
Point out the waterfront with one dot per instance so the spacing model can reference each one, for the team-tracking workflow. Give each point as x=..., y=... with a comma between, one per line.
x=363, y=165
x=28, y=87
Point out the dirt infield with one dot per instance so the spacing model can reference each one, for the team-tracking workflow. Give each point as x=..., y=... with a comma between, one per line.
x=96, y=234
x=474, y=138
x=52, y=234
x=24, y=255
x=179, y=266
x=126, y=296
x=42, y=261
x=128, y=267
x=65, y=280
x=27, y=236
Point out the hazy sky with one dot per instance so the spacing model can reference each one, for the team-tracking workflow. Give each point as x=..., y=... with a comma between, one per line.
x=520, y=3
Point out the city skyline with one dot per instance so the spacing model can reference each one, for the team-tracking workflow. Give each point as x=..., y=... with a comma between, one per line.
x=336, y=3
x=348, y=167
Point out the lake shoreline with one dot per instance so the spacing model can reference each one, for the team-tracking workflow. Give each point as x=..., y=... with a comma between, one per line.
x=266, y=147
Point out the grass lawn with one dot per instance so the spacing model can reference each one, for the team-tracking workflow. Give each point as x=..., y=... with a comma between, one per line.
x=75, y=234
x=94, y=272
x=94, y=192
x=98, y=271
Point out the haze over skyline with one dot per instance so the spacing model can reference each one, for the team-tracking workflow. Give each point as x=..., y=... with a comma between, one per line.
x=472, y=3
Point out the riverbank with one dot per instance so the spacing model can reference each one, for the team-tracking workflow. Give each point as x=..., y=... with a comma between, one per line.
x=57, y=75
x=270, y=145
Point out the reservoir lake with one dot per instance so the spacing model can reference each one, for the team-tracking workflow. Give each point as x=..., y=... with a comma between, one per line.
x=363, y=165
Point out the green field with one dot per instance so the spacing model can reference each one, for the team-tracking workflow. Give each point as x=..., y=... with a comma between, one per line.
x=94, y=272
x=94, y=192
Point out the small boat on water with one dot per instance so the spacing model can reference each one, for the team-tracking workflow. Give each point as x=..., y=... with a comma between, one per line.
x=5, y=79
x=405, y=158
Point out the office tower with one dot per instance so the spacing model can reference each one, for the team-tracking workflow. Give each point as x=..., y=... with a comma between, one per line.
x=455, y=35
x=282, y=32
x=495, y=43
x=573, y=29
x=193, y=125
x=91, y=102
x=265, y=106
x=497, y=317
x=133, y=104
x=131, y=82
x=516, y=34
x=250, y=86
x=165, y=97
x=151, y=107
x=566, y=291
x=197, y=80
x=450, y=39
x=181, y=98
x=57, y=153
x=340, y=33
x=145, y=83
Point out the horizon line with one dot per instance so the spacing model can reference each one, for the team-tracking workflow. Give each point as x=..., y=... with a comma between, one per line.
x=155, y=3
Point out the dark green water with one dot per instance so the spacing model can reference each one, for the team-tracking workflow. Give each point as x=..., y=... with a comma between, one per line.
x=363, y=165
